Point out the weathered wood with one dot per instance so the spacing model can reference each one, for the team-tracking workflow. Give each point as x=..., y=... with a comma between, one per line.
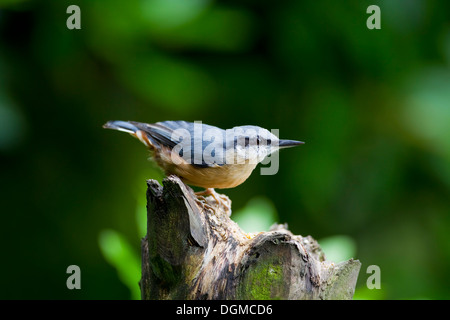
x=193, y=250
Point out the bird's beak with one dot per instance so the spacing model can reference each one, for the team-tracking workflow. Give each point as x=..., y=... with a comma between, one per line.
x=289, y=143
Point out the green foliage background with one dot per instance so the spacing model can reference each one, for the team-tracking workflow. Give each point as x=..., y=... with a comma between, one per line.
x=373, y=106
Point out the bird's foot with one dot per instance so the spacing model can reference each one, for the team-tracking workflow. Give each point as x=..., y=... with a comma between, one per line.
x=220, y=199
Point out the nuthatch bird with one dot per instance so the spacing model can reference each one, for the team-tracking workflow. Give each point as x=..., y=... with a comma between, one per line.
x=203, y=155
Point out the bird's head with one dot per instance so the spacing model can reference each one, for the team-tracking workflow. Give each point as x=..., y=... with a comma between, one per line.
x=252, y=144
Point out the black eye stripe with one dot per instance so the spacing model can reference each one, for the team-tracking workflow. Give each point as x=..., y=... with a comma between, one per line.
x=263, y=141
x=246, y=141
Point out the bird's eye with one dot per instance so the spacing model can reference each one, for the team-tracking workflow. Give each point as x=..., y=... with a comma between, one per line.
x=246, y=141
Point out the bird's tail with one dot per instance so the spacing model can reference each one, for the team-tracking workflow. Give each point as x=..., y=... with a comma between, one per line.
x=124, y=126
x=133, y=129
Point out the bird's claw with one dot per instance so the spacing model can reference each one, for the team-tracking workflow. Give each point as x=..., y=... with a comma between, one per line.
x=221, y=200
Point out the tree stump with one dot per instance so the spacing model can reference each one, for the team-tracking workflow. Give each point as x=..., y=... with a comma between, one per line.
x=193, y=250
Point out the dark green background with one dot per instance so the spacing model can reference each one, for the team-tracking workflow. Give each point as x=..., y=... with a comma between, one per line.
x=373, y=107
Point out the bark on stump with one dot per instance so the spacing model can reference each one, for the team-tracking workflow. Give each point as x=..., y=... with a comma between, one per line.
x=193, y=250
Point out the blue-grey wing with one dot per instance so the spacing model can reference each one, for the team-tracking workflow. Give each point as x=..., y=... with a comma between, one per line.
x=206, y=142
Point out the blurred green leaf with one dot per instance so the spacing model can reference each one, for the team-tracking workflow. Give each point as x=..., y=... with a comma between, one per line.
x=119, y=253
x=364, y=293
x=12, y=124
x=167, y=14
x=426, y=112
x=258, y=215
x=338, y=248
